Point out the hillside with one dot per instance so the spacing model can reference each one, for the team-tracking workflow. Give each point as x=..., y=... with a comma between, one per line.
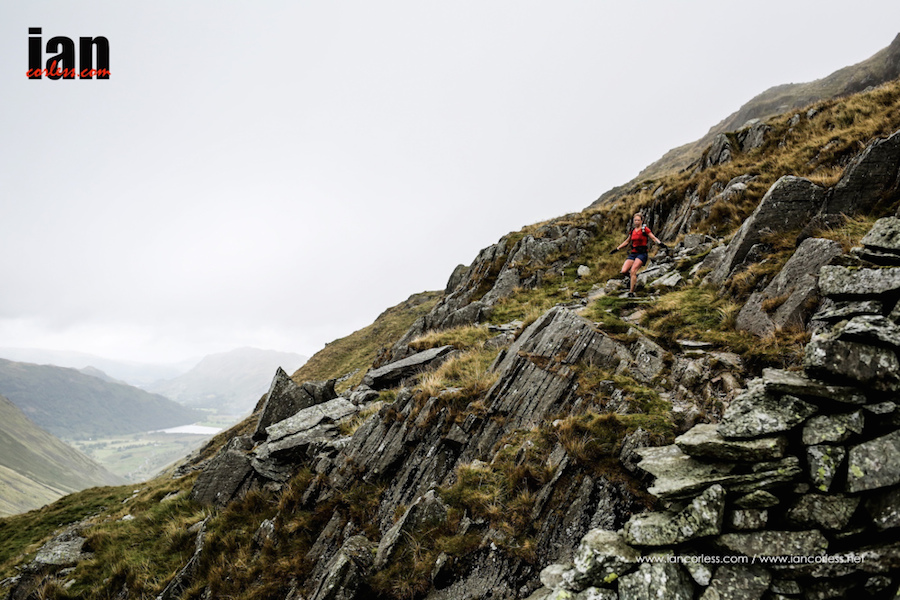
x=882, y=67
x=133, y=373
x=72, y=405
x=535, y=432
x=37, y=468
x=228, y=382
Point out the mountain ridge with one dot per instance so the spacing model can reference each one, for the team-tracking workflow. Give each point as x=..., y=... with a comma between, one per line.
x=70, y=404
x=883, y=66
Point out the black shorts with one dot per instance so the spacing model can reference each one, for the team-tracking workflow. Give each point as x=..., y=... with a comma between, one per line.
x=641, y=256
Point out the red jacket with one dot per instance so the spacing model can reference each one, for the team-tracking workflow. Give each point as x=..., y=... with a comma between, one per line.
x=640, y=238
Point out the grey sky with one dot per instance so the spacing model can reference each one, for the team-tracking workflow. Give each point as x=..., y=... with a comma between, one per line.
x=275, y=174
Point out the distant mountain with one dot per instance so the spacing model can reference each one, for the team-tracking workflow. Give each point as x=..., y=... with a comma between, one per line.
x=138, y=374
x=230, y=382
x=72, y=405
x=37, y=468
x=882, y=67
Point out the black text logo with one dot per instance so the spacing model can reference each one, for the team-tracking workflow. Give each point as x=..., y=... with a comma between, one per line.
x=62, y=64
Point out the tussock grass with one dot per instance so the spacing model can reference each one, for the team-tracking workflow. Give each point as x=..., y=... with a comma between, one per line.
x=461, y=338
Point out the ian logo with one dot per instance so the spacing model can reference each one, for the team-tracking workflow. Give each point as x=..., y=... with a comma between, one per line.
x=62, y=64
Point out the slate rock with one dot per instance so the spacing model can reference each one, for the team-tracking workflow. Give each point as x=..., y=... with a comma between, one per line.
x=601, y=557
x=426, y=511
x=824, y=462
x=884, y=236
x=795, y=286
x=303, y=420
x=874, y=464
x=832, y=428
x=828, y=512
x=225, y=474
x=835, y=311
x=774, y=543
x=705, y=441
x=798, y=384
x=789, y=201
x=64, y=550
x=827, y=357
x=393, y=373
x=857, y=284
x=657, y=581
x=869, y=178
x=649, y=359
x=871, y=329
x=285, y=398
x=552, y=575
x=680, y=476
x=346, y=572
x=756, y=413
x=747, y=519
x=757, y=499
x=738, y=582
x=701, y=518
x=884, y=508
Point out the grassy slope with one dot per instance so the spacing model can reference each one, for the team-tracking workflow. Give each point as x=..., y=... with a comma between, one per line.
x=39, y=468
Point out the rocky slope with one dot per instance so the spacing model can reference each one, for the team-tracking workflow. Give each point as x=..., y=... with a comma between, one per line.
x=538, y=434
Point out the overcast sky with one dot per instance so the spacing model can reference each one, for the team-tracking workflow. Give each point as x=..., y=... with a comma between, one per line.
x=275, y=174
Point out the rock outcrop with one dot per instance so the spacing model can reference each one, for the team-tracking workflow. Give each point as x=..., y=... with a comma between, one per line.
x=803, y=469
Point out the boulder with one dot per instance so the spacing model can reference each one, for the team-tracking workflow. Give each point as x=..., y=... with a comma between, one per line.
x=702, y=517
x=824, y=461
x=846, y=283
x=306, y=419
x=754, y=136
x=829, y=357
x=871, y=329
x=794, y=290
x=225, y=474
x=827, y=512
x=778, y=381
x=64, y=550
x=789, y=201
x=874, y=464
x=719, y=153
x=882, y=244
x=456, y=278
x=680, y=476
x=869, y=179
x=285, y=398
x=738, y=582
x=832, y=428
x=774, y=543
x=657, y=581
x=601, y=557
x=392, y=374
x=832, y=311
x=705, y=441
x=757, y=413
